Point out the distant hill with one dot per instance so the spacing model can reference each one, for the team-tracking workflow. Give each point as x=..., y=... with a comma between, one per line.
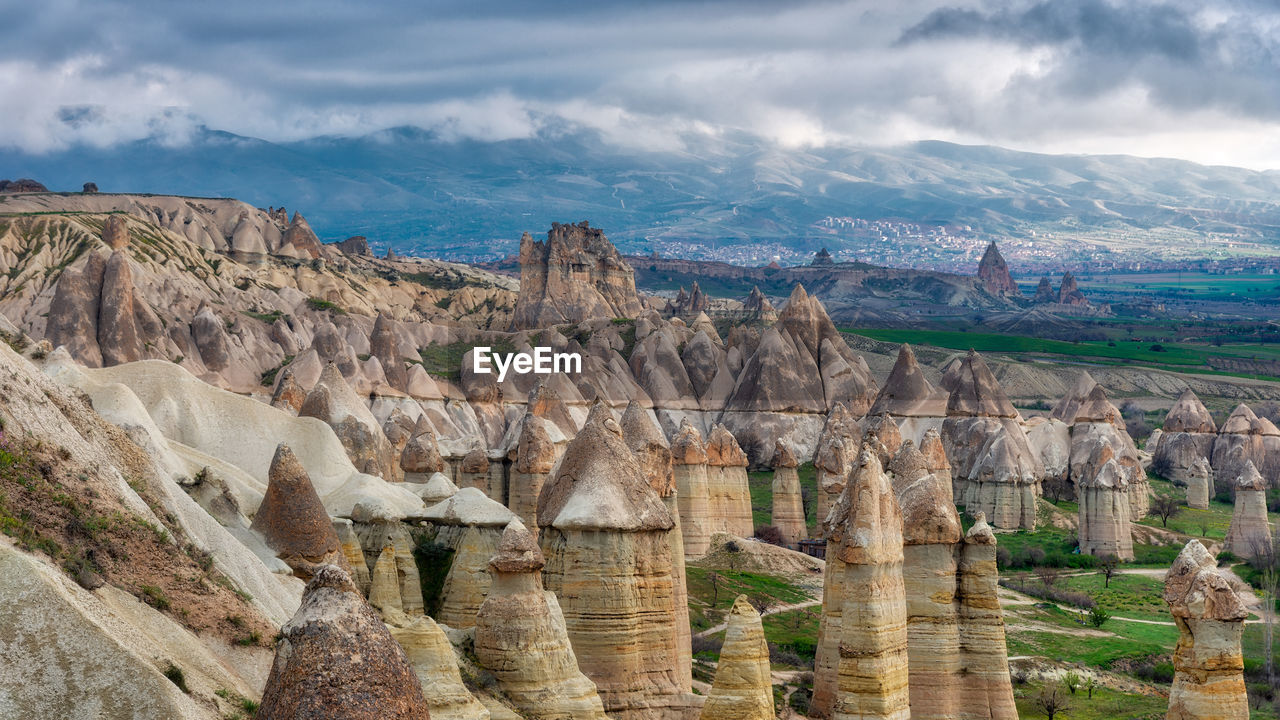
x=410, y=189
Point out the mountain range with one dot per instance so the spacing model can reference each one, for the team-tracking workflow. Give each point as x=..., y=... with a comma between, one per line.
x=413, y=190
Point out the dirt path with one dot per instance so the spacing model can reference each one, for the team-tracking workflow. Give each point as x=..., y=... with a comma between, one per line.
x=770, y=611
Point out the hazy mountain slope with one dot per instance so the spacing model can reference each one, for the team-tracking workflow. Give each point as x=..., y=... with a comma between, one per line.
x=407, y=187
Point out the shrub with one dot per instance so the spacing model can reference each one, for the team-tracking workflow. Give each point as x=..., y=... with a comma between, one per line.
x=769, y=534
x=175, y=675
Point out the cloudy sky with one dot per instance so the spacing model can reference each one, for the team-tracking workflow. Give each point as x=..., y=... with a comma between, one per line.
x=1196, y=80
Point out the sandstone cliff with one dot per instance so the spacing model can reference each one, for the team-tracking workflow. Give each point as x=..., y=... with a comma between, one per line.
x=576, y=274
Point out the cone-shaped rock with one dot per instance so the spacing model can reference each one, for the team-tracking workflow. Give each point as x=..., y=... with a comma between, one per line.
x=788, y=499
x=987, y=690
x=535, y=456
x=861, y=665
x=293, y=520
x=604, y=532
x=521, y=637
x=728, y=493
x=1189, y=434
x=1208, y=666
x=1067, y=409
x=1245, y=437
x=654, y=455
x=1250, y=533
x=993, y=273
x=470, y=524
x=1105, y=520
x=907, y=392
x=743, y=686
x=977, y=393
x=1199, y=482
x=336, y=658
x=689, y=466
x=431, y=655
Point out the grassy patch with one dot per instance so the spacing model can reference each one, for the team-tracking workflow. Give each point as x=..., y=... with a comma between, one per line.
x=324, y=306
x=268, y=318
x=1106, y=704
x=1118, y=641
x=795, y=631
x=708, y=603
x=269, y=376
x=445, y=361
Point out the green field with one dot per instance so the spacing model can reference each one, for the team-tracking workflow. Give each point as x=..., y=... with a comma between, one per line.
x=1176, y=356
x=1199, y=286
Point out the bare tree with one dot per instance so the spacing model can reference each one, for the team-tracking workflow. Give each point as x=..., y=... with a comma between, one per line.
x=1165, y=507
x=714, y=579
x=1107, y=567
x=1049, y=576
x=1052, y=701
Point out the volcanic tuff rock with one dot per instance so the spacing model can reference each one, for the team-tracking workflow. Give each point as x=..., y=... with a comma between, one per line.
x=834, y=458
x=1069, y=292
x=654, y=455
x=743, y=686
x=788, y=500
x=334, y=402
x=1200, y=484
x=1189, y=434
x=337, y=658
x=1044, y=291
x=22, y=185
x=1105, y=509
x=1208, y=680
x=535, y=457
x=1098, y=425
x=421, y=455
x=689, y=467
x=729, y=497
x=604, y=535
x=522, y=639
x=931, y=537
x=758, y=306
x=987, y=690
x=576, y=274
x=801, y=369
x=1249, y=535
x=431, y=655
x=908, y=394
x=470, y=524
x=861, y=665
x=992, y=462
x=689, y=303
x=98, y=313
x=1245, y=437
x=993, y=272
x=293, y=520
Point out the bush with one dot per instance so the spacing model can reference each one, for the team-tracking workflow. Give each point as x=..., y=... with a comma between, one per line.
x=706, y=646
x=1151, y=671
x=176, y=676
x=769, y=534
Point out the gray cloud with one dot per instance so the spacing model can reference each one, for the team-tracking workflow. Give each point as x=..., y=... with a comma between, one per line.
x=1177, y=78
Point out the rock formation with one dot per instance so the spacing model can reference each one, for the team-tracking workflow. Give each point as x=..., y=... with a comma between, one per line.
x=728, y=496
x=575, y=275
x=355, y=245
x=756, y=305
x=994, y=275
x=1044, y=292
x=1189, y=433
x=689, y=467
x=836, y=451
x=989, y=454
x=469, y=525
x=334, y=402
x=689, y=303
x=861, y=665
x=604, y=534
x=115, y=232
x=336, y=658
x=1208, y=666
x=421, y=455
x=1069, y=292
x=1245, y=437
x=653, y=453
x=99, y=315
x=987, y=689
x=1104, y=508
x=801, y=368
x=535, y=456
x=931, y=535
x=910, y=398
x=293, y=521
x=1200, y=484
x=1250, y=535
x=288, y=395
x=743, y=686
x=387, y=543
x=521, y=637
x=788, y=500
x=431, y=655
x=22, y=185
x=1098, y=435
